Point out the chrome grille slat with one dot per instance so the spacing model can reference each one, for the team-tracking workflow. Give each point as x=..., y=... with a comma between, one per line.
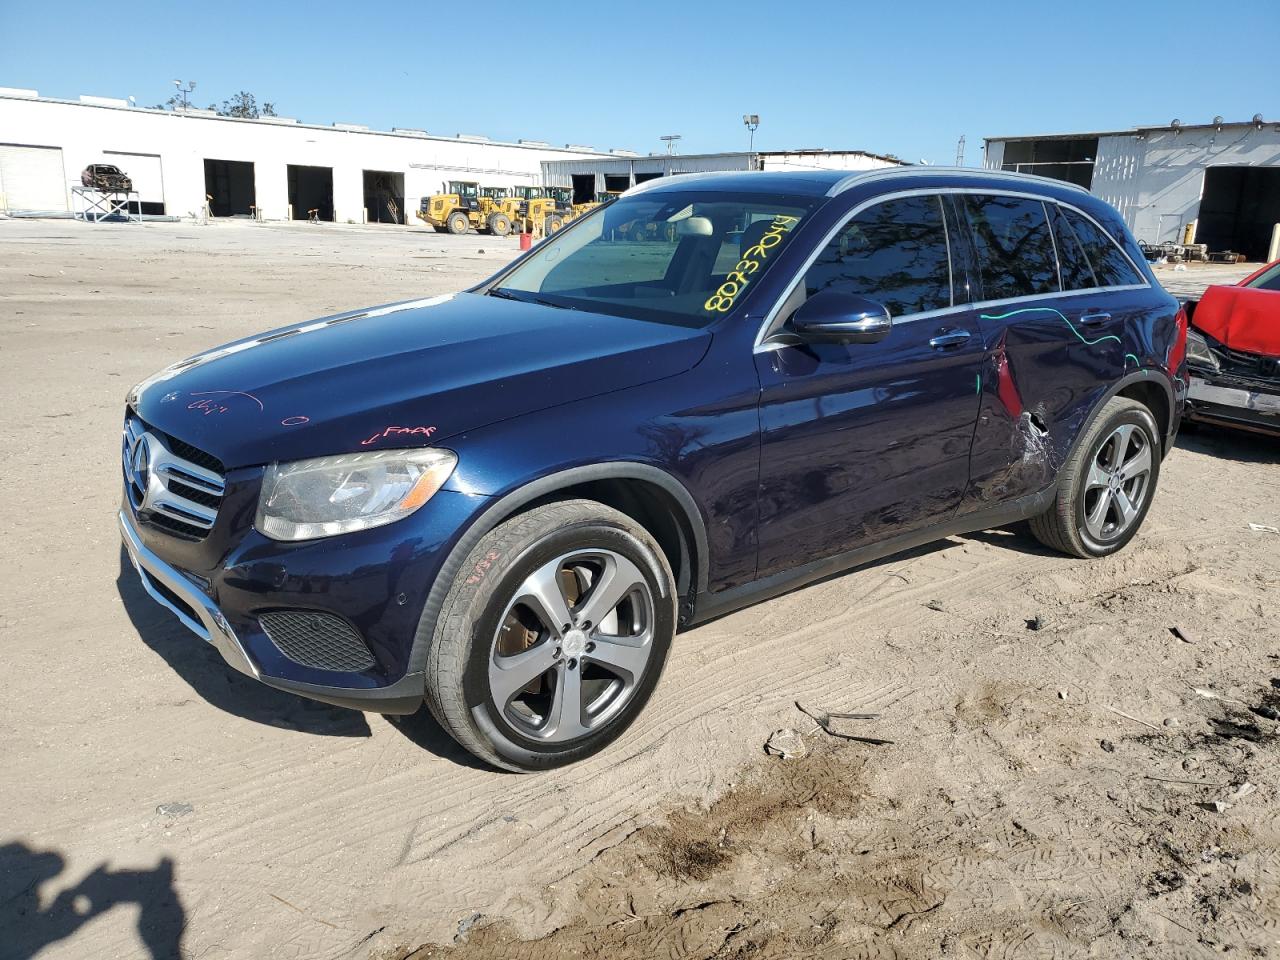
x=157, y=481
x=196, y=476
x=180, y=508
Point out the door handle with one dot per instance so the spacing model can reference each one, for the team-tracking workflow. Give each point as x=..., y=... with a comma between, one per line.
x=949, y=339
x=1094, y=319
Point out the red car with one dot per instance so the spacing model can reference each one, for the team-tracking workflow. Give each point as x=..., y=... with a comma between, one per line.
x=1233, y=354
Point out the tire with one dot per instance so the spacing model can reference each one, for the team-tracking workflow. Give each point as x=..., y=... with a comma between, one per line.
x=500, y=225
x=439, y=229
x=1118, y=455
x=458, y=223
x=493, y=633
x=551, y=224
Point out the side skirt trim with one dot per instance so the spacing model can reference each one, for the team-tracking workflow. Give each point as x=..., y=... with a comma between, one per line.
x=712, y=605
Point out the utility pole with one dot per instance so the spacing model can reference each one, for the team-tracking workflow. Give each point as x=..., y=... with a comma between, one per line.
x=670, y=141
x=751, y=121
x=960, y=151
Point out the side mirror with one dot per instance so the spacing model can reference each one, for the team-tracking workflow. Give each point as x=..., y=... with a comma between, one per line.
x=833, y=317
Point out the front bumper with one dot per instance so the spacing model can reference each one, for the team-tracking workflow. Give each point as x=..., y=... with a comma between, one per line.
x=176, y=592
x=1224, y=401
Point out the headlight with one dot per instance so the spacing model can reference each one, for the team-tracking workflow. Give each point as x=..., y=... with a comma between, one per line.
x=307, y=499
x=1198, y=351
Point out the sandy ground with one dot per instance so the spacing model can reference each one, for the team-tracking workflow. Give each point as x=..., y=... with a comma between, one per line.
x=1072, y=790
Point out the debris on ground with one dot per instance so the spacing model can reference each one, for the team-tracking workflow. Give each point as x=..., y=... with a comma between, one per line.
x=1038, y=622
x=175, y=809
x=823, y=720
x=1182, y=633
x=787, y=744
x=1263, y=528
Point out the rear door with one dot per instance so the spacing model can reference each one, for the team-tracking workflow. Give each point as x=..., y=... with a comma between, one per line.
x=863, y=441
x=1054, y=330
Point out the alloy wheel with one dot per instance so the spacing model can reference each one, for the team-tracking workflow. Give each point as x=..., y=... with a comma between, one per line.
x=1117, y=482
x=572, y=646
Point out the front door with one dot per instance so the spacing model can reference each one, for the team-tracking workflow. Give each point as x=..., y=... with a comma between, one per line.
x=863, y=441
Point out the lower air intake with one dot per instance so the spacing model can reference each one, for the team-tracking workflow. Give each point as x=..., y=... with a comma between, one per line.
x=318, y=640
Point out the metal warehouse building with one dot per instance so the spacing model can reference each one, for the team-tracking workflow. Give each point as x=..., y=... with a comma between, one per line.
x=621, y=170
x=1216, y=183
x=273, y=168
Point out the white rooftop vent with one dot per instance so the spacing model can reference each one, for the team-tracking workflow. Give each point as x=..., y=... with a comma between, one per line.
x=196, y=112
x=624, y=153
x=534, y=143
x=409, y=131
x=356, y=127
x=277, y=120
x=103, y=101
x=474, y=137
x=578, y=146
x=17, y=92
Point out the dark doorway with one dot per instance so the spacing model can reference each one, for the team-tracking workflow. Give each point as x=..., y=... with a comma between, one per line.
x=1239, y=209
x=311, y=188
x=383, y=196
x=617, y=183
x=229, y=186
x=584, y=187
x=646, y=177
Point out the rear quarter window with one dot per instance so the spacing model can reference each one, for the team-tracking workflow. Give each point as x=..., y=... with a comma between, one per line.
x=1109, y=265
x=1014, y=246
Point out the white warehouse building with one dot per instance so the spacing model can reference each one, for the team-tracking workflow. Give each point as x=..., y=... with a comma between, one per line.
x=273, y=168
x=1216, y=183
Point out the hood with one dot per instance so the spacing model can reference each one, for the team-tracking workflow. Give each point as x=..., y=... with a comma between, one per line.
x=406, y=375
x=1241, y=318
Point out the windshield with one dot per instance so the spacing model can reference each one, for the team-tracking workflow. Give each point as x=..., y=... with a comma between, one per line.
x=686, y=258
x=1267, y=280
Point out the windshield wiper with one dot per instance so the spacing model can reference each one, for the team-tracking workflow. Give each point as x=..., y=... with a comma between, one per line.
x=523, y=297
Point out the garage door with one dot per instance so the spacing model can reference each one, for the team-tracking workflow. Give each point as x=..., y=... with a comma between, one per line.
x=144, y=170
x=32, y=179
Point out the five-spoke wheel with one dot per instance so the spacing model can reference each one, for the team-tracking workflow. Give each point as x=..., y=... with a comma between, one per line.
x=552, y=636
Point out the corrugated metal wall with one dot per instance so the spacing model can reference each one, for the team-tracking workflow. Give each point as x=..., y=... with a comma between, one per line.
x=1156, y=179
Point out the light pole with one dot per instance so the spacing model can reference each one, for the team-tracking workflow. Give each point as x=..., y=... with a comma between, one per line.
x=184, y=88
x=670, y=141
x=751, y=121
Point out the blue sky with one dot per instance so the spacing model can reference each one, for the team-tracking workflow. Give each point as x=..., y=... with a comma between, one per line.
x=892, y=77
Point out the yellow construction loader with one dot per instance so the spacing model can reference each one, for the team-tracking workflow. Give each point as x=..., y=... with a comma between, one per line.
x=464, y=206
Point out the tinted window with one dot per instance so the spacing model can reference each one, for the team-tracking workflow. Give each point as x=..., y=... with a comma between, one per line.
x=1014, y=246
x=1110, y=266
x=1076, y=272
x=894, y=252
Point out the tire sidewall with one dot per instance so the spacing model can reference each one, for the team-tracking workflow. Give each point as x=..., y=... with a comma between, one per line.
x=1139, y=416
x=489, y=603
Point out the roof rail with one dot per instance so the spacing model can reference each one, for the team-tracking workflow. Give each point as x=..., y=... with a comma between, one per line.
x=882, y=173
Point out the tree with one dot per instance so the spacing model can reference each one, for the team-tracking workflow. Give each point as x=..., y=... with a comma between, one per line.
x=243, y=105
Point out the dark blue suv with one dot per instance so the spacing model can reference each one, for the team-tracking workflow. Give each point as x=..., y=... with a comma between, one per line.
x=705, y=393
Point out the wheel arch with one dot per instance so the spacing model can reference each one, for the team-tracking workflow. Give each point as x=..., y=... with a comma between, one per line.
x=649, y=495
x=1149, y=387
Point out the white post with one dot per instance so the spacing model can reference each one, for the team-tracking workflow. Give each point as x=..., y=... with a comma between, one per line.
x=1273, y=252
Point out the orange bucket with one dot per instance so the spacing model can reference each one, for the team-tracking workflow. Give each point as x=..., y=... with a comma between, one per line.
x=526, y=241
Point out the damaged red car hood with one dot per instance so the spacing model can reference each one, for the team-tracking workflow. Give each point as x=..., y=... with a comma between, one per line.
x=1241, y=318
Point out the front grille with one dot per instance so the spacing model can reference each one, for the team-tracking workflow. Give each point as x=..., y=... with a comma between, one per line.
x=170, y=483
x=318, y=640
x=1246, y=364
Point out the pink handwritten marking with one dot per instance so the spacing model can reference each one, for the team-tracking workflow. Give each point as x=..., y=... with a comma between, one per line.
x=399, y=431
x=237, y=393
x=208, y=407
x=294, y=421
